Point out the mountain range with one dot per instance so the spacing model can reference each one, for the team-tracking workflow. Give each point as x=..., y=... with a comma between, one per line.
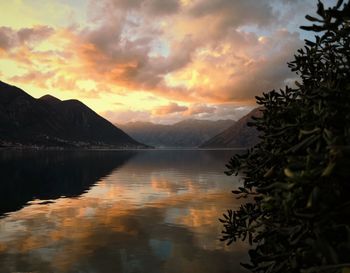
x=239, y=135
x=48, y=121
x=189, y=133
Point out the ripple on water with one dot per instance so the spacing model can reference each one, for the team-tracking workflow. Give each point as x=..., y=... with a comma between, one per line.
x=150, y=211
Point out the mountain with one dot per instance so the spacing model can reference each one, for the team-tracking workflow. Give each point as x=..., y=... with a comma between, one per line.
x=48, y=121
x=186, y=133
x=238, y=135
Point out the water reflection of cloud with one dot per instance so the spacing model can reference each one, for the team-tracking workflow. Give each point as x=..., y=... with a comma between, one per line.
x=127, y=222
x=114, y=227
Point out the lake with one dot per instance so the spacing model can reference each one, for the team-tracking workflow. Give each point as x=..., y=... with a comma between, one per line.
x=116, y=211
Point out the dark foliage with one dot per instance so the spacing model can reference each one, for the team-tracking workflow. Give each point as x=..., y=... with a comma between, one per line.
x=297, y=179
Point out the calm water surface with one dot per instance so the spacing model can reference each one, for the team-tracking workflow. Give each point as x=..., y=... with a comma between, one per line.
x=121, y=211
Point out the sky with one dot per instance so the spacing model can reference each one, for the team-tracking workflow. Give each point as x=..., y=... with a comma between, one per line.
x=152, y=60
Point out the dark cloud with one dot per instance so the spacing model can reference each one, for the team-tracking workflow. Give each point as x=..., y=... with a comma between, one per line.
x=154, y=7
x=126, y=4
x=6, y=38
x=235, y=13
x=162, y=7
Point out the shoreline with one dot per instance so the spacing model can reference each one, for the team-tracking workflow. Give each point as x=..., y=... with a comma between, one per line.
x=101, y=149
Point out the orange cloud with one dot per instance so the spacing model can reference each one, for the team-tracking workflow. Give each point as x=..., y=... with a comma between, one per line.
x=189, y=52
x=169, y=109
x=38, y=78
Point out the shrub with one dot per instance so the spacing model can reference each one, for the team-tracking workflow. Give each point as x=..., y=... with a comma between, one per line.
x=297, y=179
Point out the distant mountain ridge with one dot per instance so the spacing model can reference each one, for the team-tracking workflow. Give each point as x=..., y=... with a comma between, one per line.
x=239, y=135
x=48, y=121
x=189, y=133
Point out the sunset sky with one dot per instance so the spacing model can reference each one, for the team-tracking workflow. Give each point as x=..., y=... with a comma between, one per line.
x=152, y=60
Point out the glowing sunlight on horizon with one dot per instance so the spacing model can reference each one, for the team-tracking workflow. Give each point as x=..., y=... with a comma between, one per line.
x=151, y=60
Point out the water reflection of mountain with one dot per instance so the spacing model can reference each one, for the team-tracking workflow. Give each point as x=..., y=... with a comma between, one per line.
x=157, y=213
x=26, y=176
x=193, y=161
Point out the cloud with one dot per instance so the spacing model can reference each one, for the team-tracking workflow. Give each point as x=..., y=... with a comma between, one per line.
x=169, y=109
x=119, y=117
x=204, y=54
x=10, y=38
x=198, y=109
x=153, y=7
x=218, y=111
x=231, y=72
x=63, y=83
x=202, y=37
x=36, y=77
x=161, y=7
x=234, y=13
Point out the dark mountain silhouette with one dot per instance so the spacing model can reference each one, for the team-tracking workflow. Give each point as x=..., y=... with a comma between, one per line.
x=48, y=175
x=186, y=133
x=239, y=135
x=49, y=121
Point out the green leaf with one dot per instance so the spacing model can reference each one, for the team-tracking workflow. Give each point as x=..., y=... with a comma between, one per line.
x=313, y=198
x=288, y=173
x=329, y=169
x=346, y=270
